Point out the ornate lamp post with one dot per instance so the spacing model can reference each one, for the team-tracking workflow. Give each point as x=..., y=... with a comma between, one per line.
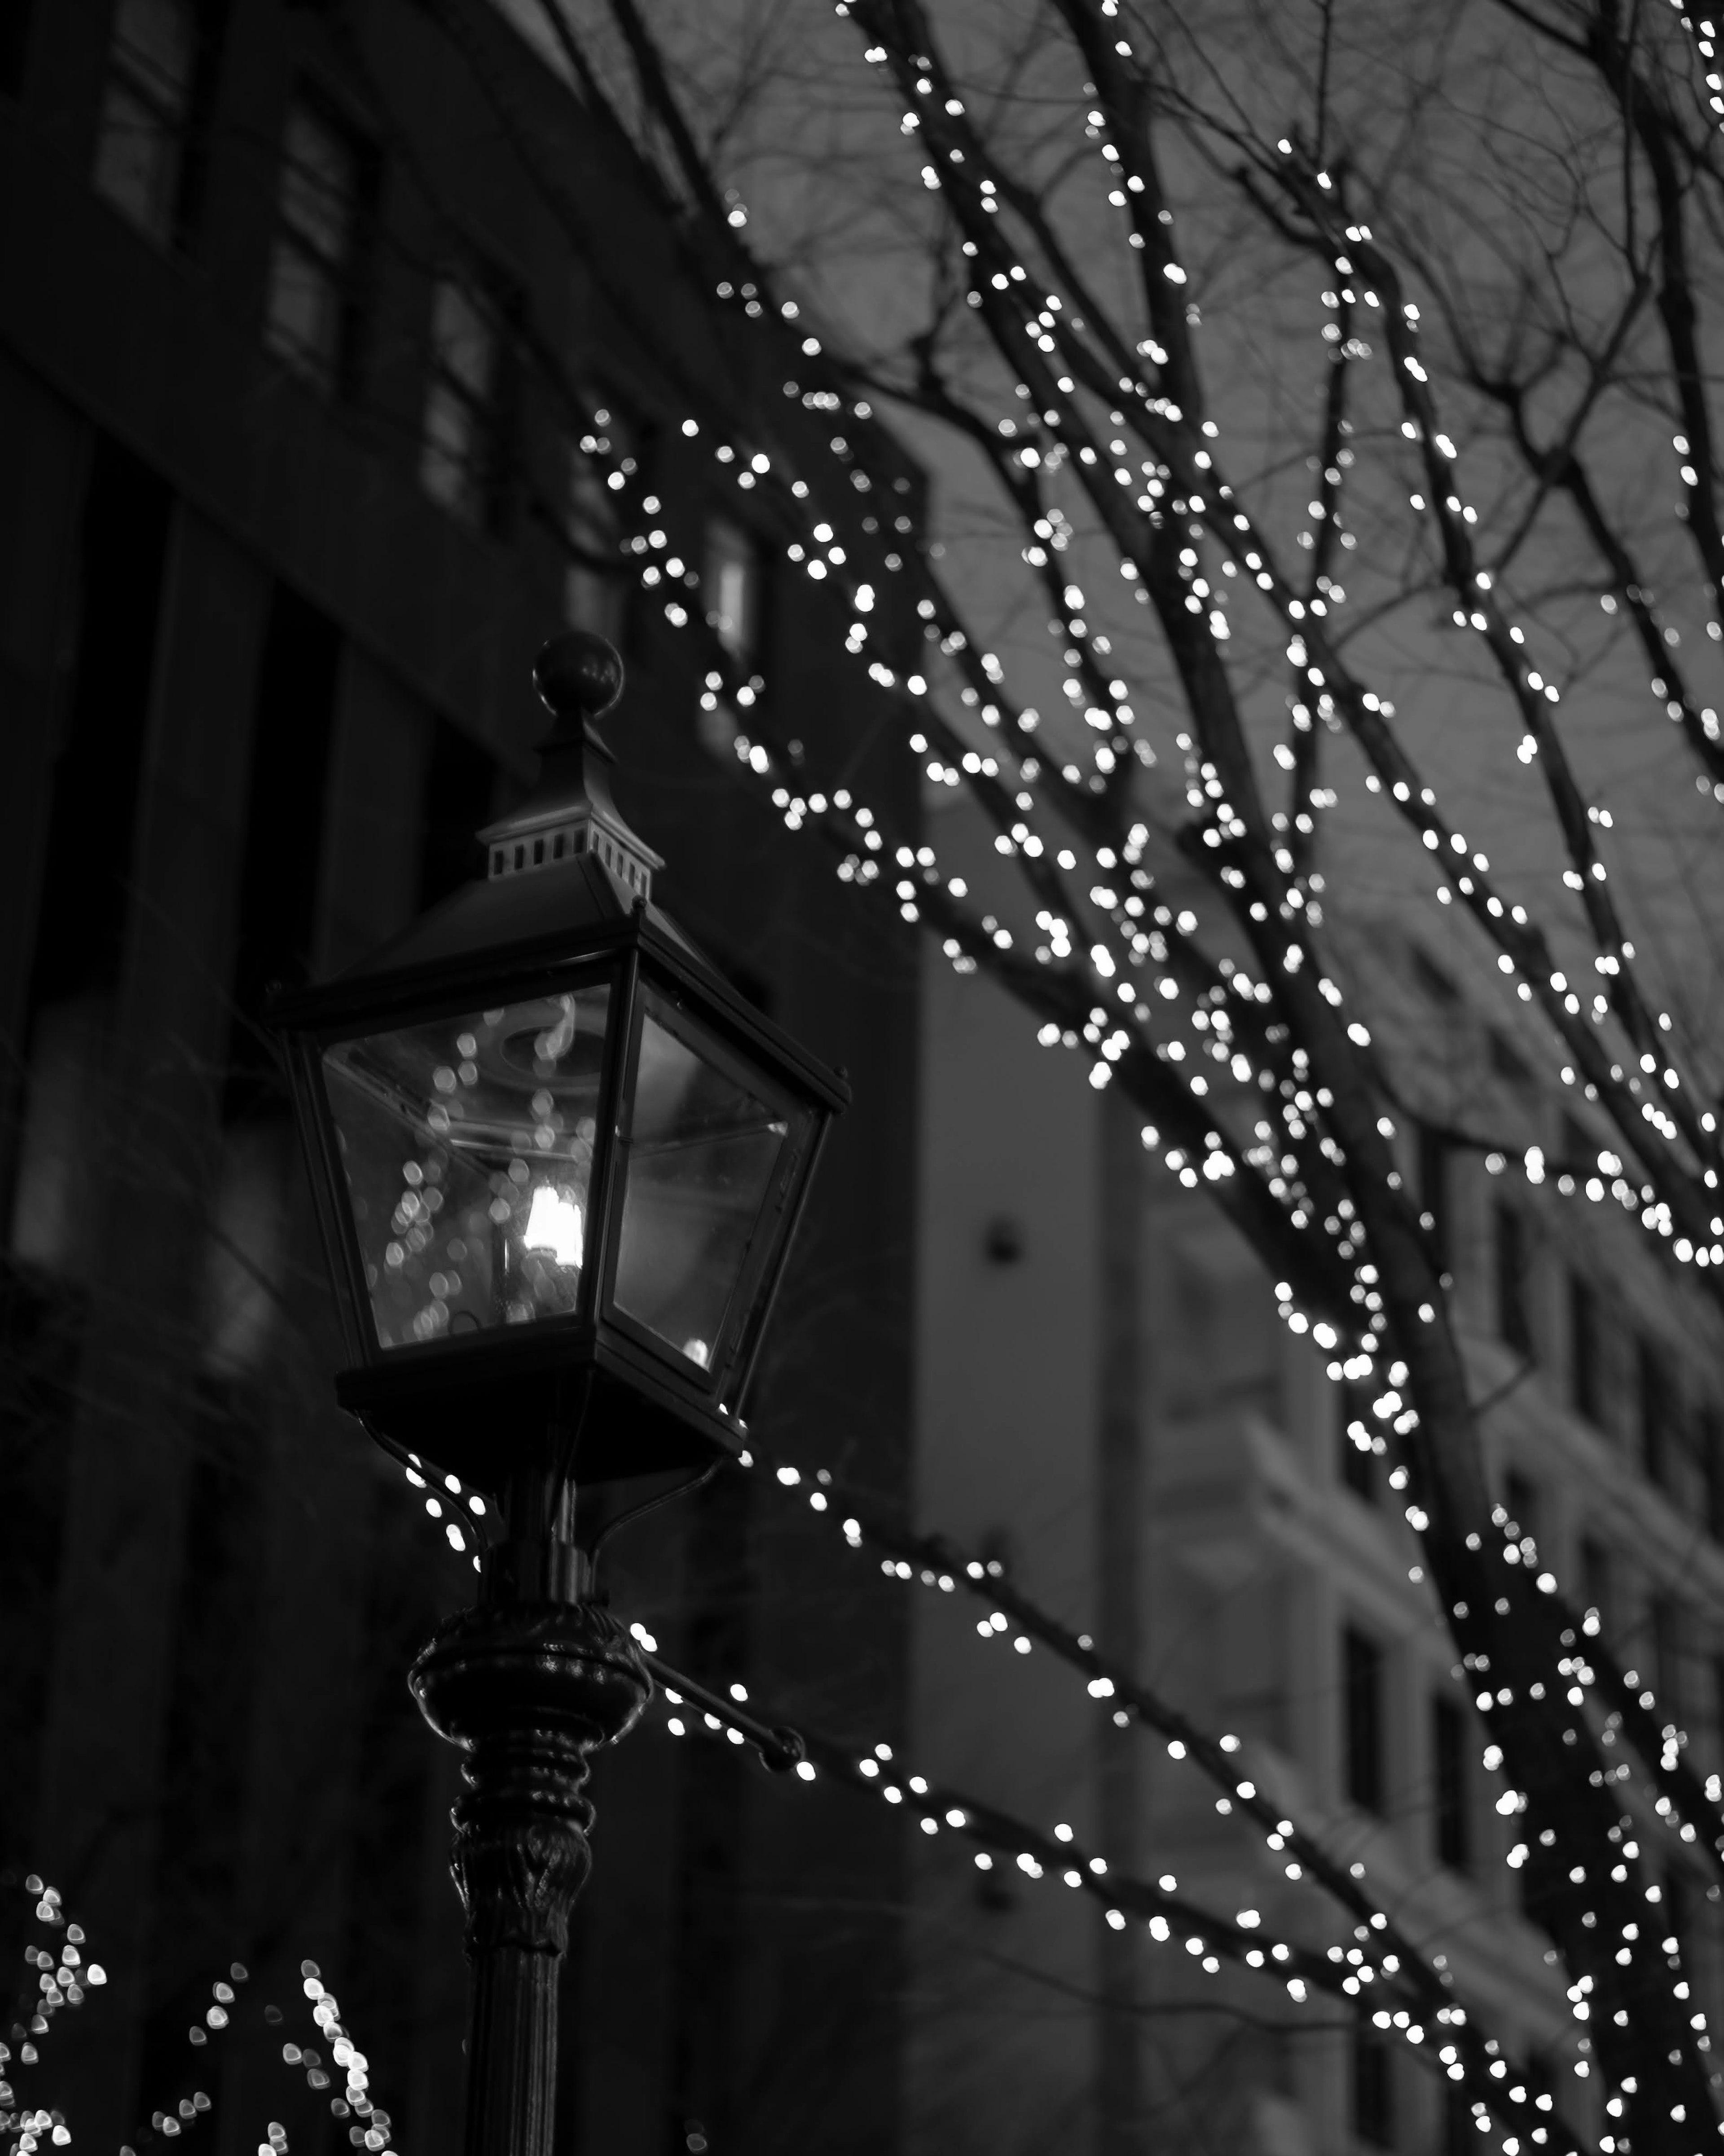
x=558, y=1161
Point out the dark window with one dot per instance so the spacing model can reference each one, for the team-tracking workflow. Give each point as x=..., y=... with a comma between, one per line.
x=1521, y=1502
x=1667, y=1658
x=1507, y=1062
x=123, y=552
x=14, y=45
x=464, y=454
x=201, y=1858
x=1595, y=1579
x=1718, y=1702
x=1460, y=2134
x=1653, y=1400
x=312, y=315
x=731, y=587
x=704, y=2081
x=1434, y=1190
x=85, y=896
x=279, y=879
x=1435, y=983
x=1712, y=1460
x=459, y=787
x=1544, y=2080
x=389, y=1793
x=1451, y=1776
x=159, y=66
x=1373, y=2108
x=597, y=584
x=1586, y=1356
x=1513, y=1326
x=1357, y=1447
x=1677, y=1907
x=1361, y=1679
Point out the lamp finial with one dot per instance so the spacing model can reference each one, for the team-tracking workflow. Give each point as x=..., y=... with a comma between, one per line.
x=578, y=676
x=569, y=815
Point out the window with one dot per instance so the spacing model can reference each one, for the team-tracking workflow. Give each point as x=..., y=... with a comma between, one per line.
x=124, y=539
x=1507, y=1062
x=1435, y=982
x=143, y=164
x=730, y=589
x=1356, y=1455
x=1361, y=1732
x=1712, y=1460
x=1679, y=1905
x=1585, y=1349
x=1451, y=1817
x=596, y=586
x=1652, y=1397
x=1667, y=1656
x=1373, y=2115
x=1521, y=1502
x=1434, y=1189
x=298, y=671
x=1513, y=1326
x=14, y=46
x=1595, y=1579
x=459, y=782
x=461, y=458
x=312, y=314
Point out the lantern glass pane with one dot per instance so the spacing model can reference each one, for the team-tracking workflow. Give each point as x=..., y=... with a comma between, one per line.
x=467, y=1144
x=700, y=1167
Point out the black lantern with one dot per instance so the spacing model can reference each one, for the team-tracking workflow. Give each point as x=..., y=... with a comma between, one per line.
x=554, y=1150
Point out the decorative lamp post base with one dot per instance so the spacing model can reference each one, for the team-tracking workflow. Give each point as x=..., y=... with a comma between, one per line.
x=527, y=1690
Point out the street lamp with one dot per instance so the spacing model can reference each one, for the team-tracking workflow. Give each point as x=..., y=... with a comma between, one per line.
x=557, y=1163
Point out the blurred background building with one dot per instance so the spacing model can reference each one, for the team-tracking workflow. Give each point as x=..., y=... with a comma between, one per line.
x=308, y=314
x=1110, y=1405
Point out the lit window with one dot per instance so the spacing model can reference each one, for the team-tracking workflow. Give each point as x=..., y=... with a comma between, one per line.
x=309, y=317
x=460, y=459
x=146, y=111
x=729, y=587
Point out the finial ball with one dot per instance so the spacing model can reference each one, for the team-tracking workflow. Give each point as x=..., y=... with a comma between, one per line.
x=578, y=675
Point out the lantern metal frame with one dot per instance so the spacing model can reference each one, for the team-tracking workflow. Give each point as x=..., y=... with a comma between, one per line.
x=465, y=1403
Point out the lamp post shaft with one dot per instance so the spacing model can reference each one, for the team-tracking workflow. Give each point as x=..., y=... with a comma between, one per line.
x=527, y=1690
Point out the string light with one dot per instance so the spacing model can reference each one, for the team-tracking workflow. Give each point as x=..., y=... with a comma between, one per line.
x=69, y=1981
x=1187, y=486
x=1433, y=2028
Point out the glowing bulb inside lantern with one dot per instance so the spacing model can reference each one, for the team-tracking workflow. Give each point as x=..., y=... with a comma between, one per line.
x=553, y=1225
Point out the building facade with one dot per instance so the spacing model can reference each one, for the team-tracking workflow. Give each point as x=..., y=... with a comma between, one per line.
x=344, y=357
x=1110, y=1406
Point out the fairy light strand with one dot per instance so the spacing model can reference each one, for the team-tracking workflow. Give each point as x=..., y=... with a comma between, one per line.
x=1369, y=1981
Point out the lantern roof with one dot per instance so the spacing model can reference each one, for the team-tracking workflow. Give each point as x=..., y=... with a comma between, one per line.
x=570, y=815
x=567, y=877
